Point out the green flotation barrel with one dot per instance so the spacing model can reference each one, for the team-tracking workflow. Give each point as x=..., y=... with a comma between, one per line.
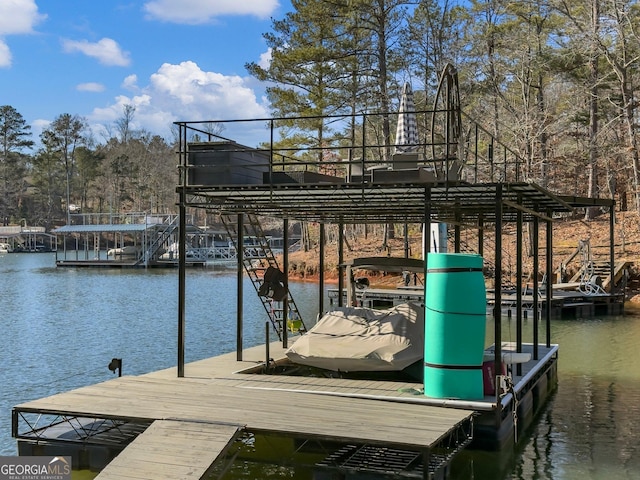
x=455, y=325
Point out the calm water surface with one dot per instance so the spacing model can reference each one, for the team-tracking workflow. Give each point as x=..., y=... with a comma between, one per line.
x=61, y=327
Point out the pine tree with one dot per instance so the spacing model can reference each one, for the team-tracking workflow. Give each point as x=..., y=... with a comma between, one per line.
x=15, y=134
x=306, y=72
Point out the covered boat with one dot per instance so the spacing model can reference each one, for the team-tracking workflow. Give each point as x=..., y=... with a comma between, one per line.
x=361, y=339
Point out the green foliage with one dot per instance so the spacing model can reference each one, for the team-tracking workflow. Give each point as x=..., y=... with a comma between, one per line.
x=134, y=172
x=553, y=80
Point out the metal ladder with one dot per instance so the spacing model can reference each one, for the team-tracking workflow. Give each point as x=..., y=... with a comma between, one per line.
x=146, y=255
x=257, y=258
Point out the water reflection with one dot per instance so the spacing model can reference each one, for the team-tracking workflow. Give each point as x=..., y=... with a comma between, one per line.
x=62, y=326
x=590, y=428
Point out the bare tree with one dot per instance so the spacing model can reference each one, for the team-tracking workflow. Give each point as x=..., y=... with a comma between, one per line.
x=125, y=122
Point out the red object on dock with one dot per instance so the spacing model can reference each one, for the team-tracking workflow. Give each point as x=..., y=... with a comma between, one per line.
x=489, y=376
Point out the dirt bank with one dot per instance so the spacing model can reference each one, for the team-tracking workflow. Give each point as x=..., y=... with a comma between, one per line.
x=567, y=234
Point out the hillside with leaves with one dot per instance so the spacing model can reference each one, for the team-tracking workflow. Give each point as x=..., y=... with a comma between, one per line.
x=566, y=237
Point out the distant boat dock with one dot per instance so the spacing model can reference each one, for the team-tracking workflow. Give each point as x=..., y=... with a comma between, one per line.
x=568, y=300
x=141, y=240
x=120, y=240
x=28, y=239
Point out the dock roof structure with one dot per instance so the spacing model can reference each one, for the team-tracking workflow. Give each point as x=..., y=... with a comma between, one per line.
x=469, y=180
x=402, y=202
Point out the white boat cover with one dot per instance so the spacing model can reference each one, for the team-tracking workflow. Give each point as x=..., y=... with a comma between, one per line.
x=360, y=339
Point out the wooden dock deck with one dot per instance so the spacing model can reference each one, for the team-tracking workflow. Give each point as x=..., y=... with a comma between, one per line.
x=214, y=395
x=171, y=449
x=568, y=301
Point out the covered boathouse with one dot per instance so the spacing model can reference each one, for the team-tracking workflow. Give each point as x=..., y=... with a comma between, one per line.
x=192, y=416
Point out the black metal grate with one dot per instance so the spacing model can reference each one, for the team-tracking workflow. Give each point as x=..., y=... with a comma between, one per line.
x=383, y=462
x=378, y=203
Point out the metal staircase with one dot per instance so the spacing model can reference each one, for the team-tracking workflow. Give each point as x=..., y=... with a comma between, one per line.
x=593, y=275
x=151, y=251
x=262, y=267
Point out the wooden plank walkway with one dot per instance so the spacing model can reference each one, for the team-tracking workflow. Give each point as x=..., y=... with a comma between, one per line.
x=170, y=449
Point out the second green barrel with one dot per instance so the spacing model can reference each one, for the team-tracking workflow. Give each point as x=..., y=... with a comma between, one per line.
x=455, y=325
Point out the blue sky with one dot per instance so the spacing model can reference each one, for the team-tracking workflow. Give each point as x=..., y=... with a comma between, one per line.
x=171, y=59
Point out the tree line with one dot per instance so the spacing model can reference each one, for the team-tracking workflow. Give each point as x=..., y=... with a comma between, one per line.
x=556, y=80
x=71, y=173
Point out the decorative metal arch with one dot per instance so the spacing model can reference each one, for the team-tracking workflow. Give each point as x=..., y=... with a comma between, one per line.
x=445, y=142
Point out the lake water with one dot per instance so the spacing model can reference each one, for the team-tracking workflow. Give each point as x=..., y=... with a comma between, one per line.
x=61, y=327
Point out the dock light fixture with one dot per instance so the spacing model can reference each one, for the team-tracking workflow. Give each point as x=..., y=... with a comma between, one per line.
x=116, y=364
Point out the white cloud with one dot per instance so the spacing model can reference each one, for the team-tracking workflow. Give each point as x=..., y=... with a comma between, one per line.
x=38, y=126
x=18, y=16
x=106, y=51
x=203, y=11
x=5, y=55
x=184, y=92
x=90, y=87
x=265, y=59
x=130, y=82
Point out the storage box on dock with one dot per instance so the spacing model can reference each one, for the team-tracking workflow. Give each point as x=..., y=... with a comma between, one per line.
x=225, y=163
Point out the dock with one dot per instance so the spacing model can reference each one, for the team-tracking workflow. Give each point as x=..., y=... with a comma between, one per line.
x=220, y=397
x=186, y=426
x=141, y=240
x=567, y=301
x=27, y=239
x=356, y=419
